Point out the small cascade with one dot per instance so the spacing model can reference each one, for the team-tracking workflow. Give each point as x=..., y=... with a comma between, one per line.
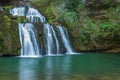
x=65, y=38
x=33, y=15
x=51, y=40
x=28, y=36
x=20, y=11
x=30, y=13
x=28, y=40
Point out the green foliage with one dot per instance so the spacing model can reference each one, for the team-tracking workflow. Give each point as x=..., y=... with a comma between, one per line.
x=69, y=17
x=73, y=4
x=7, y=21
x=108, y=26
x=41, y=3
x=111, y=2
x=22, y=20
x=9, y=37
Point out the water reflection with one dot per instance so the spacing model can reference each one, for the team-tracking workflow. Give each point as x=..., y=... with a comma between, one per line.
x=28, y=69
x=66, y=65
x=57, y=66
x=47, y=68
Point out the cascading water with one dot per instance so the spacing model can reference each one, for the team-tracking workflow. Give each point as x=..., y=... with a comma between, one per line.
x=26, y=30
x=30, y=13
x=28, y=36
x=20, y=11
x=33, y=15
x=51, y=40
x=65, y=38
x=28, y=40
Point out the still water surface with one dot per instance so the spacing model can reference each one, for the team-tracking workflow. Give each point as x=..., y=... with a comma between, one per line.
x=67, y=67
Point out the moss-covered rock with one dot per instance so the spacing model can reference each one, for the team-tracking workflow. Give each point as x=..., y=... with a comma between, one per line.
x=9, y=35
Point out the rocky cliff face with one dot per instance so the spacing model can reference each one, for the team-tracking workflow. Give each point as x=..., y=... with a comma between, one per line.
x=9, y=36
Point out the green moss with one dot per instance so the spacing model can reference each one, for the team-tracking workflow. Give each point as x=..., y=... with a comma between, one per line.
x=9, y=36
x=7, y=21
x=22, y=20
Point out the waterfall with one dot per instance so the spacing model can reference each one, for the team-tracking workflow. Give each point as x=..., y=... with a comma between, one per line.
x=30, y=13
x=65, y=38
x=28, y=36
x=26, y=30
x=28, y=40
x=33, y=15
x=20, y=11
x=51, y=40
